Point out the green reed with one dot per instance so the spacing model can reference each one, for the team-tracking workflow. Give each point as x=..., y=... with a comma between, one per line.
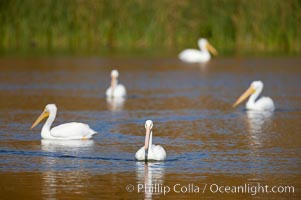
x=93, y=26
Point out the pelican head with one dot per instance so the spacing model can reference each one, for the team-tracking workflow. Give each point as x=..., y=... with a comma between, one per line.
x=148, y=128
x=114, y=73
x=50, y=109
x=255, y=87
x=205, y=45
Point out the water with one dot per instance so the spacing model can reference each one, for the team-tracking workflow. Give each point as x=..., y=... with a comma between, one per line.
x=207, y=141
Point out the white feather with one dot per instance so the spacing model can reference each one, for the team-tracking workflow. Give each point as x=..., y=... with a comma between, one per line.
x=118, y=92
x=73, y=130
x=155, y=152
x=194, y=56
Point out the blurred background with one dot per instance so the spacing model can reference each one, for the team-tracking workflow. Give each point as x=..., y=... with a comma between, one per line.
x=63, y=51
x=234, y=27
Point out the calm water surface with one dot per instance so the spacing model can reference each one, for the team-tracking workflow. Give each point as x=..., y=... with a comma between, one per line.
x=207, y=141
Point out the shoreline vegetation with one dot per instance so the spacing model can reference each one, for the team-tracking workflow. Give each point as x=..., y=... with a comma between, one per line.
x=234, y=27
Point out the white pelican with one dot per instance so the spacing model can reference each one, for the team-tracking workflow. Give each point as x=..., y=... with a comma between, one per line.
x=150, y=151
x=198, y=56
x=115, y=104
x=115, y=90
x=261, y=104
x=71, y=131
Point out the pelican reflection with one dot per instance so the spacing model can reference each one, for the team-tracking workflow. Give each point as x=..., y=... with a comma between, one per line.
x=150, y=176
x=58, y=170
x=115, y=104
x=258, y=123
x=65, y=145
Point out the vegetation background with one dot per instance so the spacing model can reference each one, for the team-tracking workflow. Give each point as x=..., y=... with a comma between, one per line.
x=154, y=27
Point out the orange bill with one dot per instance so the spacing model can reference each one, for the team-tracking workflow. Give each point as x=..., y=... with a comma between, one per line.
x=147, y=138
x=40, y=118
x=211, y=49
x=245, y=95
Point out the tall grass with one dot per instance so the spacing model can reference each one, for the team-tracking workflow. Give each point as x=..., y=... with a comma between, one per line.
x=232, y=26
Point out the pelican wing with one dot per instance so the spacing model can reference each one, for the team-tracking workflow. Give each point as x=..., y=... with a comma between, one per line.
x=193, y=55
x=265, y=103
x=72, y=130
x=119, y=91
x=189, y=54
x=140, y=154
x=159, y=152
